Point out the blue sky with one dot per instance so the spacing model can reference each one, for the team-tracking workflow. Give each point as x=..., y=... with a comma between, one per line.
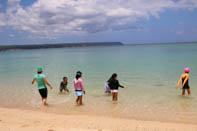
x=127, y=21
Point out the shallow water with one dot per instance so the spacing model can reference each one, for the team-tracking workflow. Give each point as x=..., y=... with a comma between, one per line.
x=150, y=72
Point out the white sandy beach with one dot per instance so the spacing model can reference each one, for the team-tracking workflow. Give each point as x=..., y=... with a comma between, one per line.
x=27, y=120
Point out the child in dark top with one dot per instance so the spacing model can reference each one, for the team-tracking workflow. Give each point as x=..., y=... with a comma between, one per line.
x=114, y=86
x=63, y=85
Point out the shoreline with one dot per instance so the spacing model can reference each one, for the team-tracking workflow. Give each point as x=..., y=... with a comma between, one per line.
x=4, y=48
x=62, y=45
x=21, y=119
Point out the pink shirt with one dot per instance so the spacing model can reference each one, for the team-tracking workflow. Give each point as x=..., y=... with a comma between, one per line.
x=78, y=84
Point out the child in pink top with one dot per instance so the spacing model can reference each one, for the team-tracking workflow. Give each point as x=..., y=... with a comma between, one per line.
x=79, y=88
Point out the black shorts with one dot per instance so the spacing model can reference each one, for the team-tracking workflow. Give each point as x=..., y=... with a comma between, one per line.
x=43, y=92
x=186, y=87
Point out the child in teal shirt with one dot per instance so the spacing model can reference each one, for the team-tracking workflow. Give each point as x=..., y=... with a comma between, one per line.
x=41, y=83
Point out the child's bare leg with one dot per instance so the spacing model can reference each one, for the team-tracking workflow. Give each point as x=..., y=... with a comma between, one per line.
x=189, y=92
x=44, y=101
x=77, y=100
x=113, y=96
x=107, y=92
x=80, y=100
x=116, y=96
x=66, y=90
x=183, y=92
x=60, y=90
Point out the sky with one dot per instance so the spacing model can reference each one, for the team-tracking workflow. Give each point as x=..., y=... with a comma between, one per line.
x=68, y=21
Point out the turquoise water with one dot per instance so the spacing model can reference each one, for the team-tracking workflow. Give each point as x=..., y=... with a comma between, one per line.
x=150, y=72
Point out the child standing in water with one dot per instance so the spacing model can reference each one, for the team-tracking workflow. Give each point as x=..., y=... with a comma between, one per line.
x=185, y=82
x=79, y=88
x=41, y=82
x=114, y=85
x=63, y=85
x=107, y=88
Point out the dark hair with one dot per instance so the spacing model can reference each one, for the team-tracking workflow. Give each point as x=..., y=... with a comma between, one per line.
x=65, y=78
x=78, y=75
x=39, y=72
x=113, y=76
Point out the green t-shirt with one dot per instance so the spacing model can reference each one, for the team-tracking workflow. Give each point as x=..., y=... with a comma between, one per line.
x=39, y=79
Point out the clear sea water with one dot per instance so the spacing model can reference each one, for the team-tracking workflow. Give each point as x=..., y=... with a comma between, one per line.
x=150, y=72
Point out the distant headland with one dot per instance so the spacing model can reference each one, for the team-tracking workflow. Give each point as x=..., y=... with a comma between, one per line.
x=63, y=45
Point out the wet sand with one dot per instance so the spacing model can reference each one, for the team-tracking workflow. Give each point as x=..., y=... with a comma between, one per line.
x=28, y=120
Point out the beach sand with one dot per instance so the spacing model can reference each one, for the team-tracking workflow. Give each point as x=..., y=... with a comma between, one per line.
x=28, y=120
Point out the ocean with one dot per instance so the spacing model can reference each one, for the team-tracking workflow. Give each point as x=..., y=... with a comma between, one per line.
x=150, y=72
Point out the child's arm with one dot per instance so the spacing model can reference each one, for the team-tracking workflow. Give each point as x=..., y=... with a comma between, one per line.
x=187, y=77
x=47, y=83
x=82, y=86
x=33, y=81
x=120, y=85
x=179, y=82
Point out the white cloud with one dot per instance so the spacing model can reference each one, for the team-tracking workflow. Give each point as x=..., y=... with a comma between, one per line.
x=2, y=20
x=180, y=23
x=13, y=5
x=11, y=35
x=187, y=4
x=54, y=18
x=179, y=32
x=10, y=1
x=194, y=30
